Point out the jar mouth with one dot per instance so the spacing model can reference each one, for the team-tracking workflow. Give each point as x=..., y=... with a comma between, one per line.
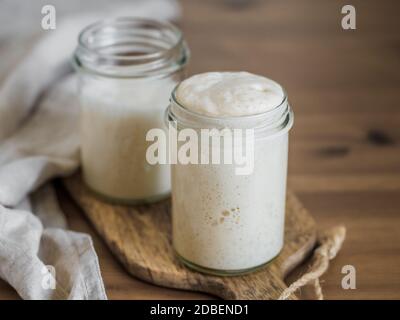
x=276, y=120
x=130, y=47
x=270, y=111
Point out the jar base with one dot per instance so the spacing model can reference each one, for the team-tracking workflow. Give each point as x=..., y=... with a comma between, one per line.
x=224, y=273
x=122, y=201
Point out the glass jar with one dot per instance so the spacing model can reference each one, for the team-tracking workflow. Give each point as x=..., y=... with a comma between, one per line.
x=127, y=69
x=224, y=223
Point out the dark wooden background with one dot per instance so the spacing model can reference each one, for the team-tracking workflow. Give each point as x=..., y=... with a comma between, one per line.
x=344, y=87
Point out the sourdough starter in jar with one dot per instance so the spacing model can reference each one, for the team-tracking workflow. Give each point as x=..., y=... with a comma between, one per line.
x=115, y=118
x=127, y=69
x=225, y=223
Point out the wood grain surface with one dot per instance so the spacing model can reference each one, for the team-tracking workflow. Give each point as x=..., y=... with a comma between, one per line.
x=344, y=161
x=140, y=237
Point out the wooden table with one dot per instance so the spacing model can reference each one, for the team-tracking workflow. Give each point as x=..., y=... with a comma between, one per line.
x=344, y=87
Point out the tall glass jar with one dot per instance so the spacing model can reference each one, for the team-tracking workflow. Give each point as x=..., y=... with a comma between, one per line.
x=127, y=69
x=225, y=223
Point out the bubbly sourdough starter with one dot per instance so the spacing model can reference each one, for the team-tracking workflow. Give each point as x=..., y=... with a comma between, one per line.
x=224, y=221
x=227, y=94
x=115, y=118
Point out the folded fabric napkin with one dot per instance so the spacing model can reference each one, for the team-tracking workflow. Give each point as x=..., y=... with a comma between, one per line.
x=39, y=140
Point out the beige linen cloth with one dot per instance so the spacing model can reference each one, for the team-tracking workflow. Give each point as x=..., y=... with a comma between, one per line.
x=39, y=140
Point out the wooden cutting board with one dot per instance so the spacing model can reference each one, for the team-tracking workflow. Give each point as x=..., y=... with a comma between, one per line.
x=140, y=237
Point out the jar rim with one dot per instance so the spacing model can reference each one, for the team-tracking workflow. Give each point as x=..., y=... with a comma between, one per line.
x=166, y=60
x=279, y=119
x=254, y=115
